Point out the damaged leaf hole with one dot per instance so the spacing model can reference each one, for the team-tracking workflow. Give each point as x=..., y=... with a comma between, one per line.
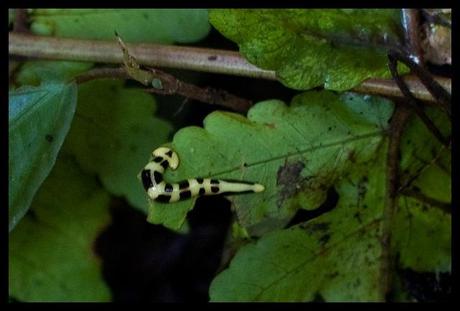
x=289, y=179
x=303, y=215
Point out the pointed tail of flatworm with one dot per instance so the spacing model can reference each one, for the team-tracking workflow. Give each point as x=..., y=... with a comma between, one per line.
x=160, y=190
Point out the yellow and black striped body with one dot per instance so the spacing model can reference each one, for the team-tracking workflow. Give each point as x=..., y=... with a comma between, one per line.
x=162, y=191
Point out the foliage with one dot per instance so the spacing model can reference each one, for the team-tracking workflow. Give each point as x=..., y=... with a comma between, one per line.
x=38, y=120
x=296, y=152
x=51, y=255
x=114, y=124
x=72, y=148
x=307, y=48
x=136, y=25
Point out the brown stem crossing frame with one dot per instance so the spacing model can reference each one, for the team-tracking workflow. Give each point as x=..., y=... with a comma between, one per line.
x=181, y=57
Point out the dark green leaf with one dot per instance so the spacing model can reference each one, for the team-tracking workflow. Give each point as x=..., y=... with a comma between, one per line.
x=51, y=252
x=113, y=135
x=38, y=121
x=313, y=47
x=296, y=152
x=339, y=256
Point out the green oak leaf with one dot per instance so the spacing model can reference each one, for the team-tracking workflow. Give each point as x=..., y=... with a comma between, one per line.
x=51, y=252
x=339, y=256
x=334, y=257
x=38, y=121
x=296, y=152
x=135, y=25
x=337, y=48
x=113, y=135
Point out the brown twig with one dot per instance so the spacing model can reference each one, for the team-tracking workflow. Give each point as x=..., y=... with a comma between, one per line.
x=392, y=64
x=189, y=58
x=398, y=123
x=385, y=87
x=411, y=26
x=436, y=90
x=171, y=86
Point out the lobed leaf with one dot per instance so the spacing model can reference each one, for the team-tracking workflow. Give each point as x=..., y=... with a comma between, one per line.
x=338, y=256
x=334, y=257
x=337, y=48
x=296, y=152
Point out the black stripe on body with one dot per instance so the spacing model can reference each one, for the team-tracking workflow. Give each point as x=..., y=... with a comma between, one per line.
x=185, y=195
x=168, y=188
x=158, y=159
x=163, y=198
x=169, y=153
x=214, y=182
x=146, y=179
x=214, y=189
x=184, y=185
x=236, y=193
x=201, y=191
x=158, y=177
x=165, y=164
x=199, y=180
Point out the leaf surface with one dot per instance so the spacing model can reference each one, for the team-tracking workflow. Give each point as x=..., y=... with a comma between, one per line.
x=114, y=132
x=308, y=48
x=339, y=256
x=38, y=121
x=51, y=255
x=296, y=152
x=135, y=25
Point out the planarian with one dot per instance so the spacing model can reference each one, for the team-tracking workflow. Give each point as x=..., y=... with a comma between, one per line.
x=161, y=191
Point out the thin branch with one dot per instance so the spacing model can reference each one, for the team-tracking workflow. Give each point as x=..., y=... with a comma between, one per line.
x=392, y=64
x=398, y=123
x=172, y=86
x=411, y=26
x=436, y=90
x=102, y=73
x=188, y=58
x=153, y=55
x=388, y=87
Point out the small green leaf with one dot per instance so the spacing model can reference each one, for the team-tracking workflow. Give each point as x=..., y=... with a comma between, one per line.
x=51, y=252
x=313, y=47
x=135, y=25
x=296, y=152
x=113, y=135
x=38, y=121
